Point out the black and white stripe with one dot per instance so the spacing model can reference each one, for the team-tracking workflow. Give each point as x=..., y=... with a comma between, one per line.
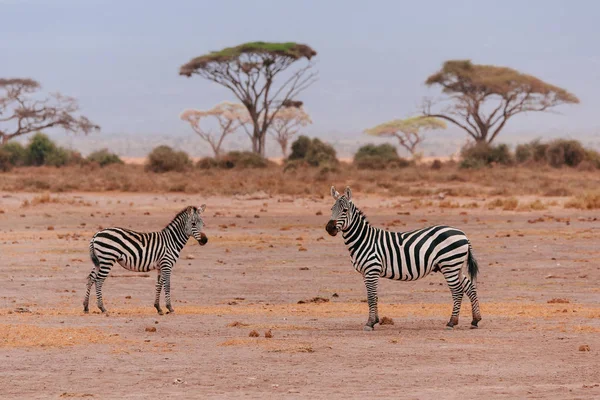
x=405, y=256
x=143, y=252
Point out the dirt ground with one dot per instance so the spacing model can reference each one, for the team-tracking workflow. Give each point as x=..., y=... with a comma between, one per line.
x=538, y=286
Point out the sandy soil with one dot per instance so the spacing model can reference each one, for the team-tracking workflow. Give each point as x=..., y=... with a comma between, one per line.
x=265, y=255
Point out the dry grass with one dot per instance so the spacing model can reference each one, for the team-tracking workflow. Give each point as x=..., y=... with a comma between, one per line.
x=506, y=204
x=585, y=201
x=46, y=198
x=25, y=335
x=340, y=309
x=410, y=181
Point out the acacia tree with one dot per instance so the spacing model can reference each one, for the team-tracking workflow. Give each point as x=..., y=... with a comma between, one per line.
x=409, y=131
x=484, y=97
x=252, y=71
x=229, y=117
x=21, y=112
x=286, y=124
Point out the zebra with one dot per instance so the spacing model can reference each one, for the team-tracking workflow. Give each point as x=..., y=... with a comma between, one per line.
x=143, y=252
x=405, y=256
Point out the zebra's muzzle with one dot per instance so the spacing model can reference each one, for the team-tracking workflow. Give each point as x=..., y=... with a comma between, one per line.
x=331, y=228
x=203, y=239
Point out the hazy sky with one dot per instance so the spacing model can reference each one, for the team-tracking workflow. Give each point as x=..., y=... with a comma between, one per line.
x=121, y=58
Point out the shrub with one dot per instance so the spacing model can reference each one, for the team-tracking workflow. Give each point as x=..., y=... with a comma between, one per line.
x=380, y=156
x=5, y=164
x=164, y=159
x=482, y=154
x=234, y=159
x=17, y=154
x=565, y=152
x=40, y=148
x=315, y=152
x=532, y=151
x=593, y=157
x=104, y=157
x=243, y=159
x=436, y=164
x=43, y=151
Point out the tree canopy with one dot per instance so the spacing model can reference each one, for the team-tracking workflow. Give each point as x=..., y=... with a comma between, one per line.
x=484, y=97
x=408, y=131
x=21, y=112
x=251, y=72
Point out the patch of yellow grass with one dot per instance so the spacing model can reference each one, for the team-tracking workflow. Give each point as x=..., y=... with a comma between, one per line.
x=271, y=345
x=507, y=204
x=25, y=335
x=47, y=199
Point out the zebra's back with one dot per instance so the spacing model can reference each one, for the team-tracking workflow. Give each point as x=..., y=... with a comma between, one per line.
x=136, y=251
x=412, y=255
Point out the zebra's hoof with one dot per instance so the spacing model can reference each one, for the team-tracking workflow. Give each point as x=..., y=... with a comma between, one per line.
x=367, y=328
x=160, y=312
x=449, y=328
x=473, y=327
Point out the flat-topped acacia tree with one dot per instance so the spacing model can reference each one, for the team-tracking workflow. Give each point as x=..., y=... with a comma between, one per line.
x=229, y=116
x=257, y=73
x=286, y=125
x=22, y=112
x=482, y=98
x=409, y=131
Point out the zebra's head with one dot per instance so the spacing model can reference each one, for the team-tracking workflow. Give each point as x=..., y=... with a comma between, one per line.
x=340, y=218
x=195, y=224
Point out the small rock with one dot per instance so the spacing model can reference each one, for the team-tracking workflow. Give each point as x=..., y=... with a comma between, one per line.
x=128, y=297
x=584, y=347
x=268, y=334
x=150, y=329
x=253, y=334
x=386, y=321
x=319, y=213
x=335, y=295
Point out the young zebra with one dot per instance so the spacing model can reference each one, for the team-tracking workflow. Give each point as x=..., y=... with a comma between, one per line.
x=404, y=256
x=143, y=252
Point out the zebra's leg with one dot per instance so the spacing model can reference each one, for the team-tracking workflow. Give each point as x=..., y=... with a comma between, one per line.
x=471, y=290
x=371, y=282
x=166, y=275
x=90, y=282
x=159, y=285
x=453, y=276
x=101, y=276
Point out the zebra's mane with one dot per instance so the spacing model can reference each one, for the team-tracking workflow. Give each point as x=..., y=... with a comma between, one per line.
x=180, y=216
x=360, y=214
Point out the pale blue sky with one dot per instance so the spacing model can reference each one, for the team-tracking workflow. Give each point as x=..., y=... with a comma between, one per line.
x=121, y=58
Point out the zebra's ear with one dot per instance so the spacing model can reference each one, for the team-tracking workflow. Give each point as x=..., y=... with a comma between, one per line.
x=348, y=193
x=334, y=193
x=201, y=208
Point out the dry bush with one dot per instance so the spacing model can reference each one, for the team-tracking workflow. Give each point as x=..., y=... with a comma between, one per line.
x=165, y=159
x=412, y=181
x=587, y=201
x=507, y=204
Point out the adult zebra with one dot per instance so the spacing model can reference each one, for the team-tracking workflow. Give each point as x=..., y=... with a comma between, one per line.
x=143, y=252
x=405, y=256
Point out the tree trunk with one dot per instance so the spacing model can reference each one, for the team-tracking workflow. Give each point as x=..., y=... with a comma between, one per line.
x=261, y=144
x=284, y=144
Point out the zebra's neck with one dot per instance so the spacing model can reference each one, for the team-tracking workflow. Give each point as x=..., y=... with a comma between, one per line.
x=358, y=223
x=175, y=230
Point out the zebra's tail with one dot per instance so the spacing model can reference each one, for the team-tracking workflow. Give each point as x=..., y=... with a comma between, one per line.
x=472, y=265
x=93, y=255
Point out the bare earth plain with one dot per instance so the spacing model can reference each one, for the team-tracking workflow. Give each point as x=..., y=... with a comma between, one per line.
x=539, y=287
